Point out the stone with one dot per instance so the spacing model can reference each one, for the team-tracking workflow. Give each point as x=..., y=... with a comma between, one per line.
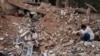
x=1, y=38
x=97, y=55
x=96, y=43
x=23, y=34
x=1, y=26
x=70, y=42
x=87, y=43
x=21, y=31
x=28, y=37
x=42, y=48
x=70, y=54
x=83, y=54
x=6, y=35
x=19, y=40
x=34, y=35
x=45, y=53
x=93, y=46
x=15, y=23
x=17, y=46
x=27, y=50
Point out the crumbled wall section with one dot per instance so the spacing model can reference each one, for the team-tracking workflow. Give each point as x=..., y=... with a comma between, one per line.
x=3, y=5
x=7, y=7
x=27, y=0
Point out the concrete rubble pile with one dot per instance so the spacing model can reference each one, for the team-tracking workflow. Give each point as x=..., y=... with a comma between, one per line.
x=58, y=33
x=50, y=35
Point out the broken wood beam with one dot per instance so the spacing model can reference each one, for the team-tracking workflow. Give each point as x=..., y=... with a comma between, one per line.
x=90, y=6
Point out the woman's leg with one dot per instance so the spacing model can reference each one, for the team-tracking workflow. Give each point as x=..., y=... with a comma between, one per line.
x=86, y=37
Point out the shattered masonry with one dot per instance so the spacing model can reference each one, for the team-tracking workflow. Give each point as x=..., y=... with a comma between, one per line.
x=53, y=32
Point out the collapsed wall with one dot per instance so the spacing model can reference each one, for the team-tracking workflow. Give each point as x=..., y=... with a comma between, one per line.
x=53, y=32
x=7, y=7
x=10, y=6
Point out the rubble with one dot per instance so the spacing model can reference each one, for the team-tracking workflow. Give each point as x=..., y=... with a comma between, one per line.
x=1, y=38
x=51, y=35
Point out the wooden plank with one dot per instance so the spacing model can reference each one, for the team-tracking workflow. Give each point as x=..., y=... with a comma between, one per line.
x=90, y=6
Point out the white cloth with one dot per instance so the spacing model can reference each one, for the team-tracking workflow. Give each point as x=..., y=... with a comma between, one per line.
x=89, y=31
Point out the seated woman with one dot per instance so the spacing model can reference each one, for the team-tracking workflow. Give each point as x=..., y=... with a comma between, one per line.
x=87, y=33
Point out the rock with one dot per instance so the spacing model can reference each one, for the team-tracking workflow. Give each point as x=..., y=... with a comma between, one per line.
x=87, y=43
x=70, y=42
x=17, y=46
x=93, y=46
x=70, y=54
x=6, y=35
x=42, y=48
x=1, y=26
x=51, y=53
x=1, y=38
x=97, y=55
x=83, y=54
x=91, y=54
x=34, y=35
x=28, y=37
x=74, y=50
x=23, y=34
x=21, y=31
x=19, y=40
x=15, y=23
x=96, y=43
x=81, y=42
x=71, y=18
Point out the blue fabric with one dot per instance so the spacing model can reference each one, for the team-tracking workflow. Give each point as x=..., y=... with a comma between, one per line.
x=86, y=37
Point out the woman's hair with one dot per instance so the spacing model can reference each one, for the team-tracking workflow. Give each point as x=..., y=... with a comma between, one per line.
x=83, y=26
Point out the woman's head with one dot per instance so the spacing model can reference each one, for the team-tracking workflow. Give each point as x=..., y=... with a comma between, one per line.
x=83, y=26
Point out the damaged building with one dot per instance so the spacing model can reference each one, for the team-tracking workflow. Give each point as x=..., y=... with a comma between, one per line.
x=48, y=28
x=10, y=5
